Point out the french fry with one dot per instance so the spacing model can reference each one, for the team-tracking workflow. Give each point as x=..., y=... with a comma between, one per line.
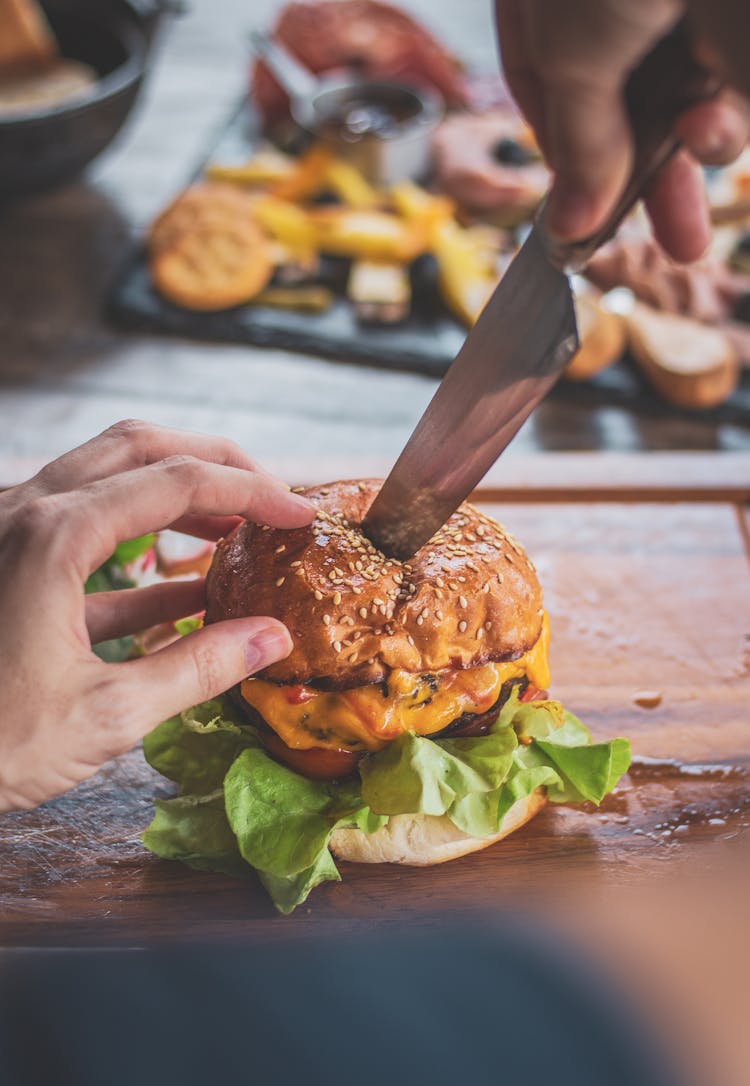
x=307, y=299
x=346, y=181
x=307, y=177
x=267, y=167
x=286, y=222
x=467, y=272
x=417, y=204
x=381, y=293
x=367, y=235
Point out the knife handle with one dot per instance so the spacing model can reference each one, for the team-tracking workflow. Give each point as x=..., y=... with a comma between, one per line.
x=668, y=81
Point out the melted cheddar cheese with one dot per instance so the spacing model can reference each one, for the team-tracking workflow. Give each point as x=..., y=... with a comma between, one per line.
x=369, y=717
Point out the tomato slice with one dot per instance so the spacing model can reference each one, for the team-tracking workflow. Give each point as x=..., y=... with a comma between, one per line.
x=532, y=694
x=319, y=763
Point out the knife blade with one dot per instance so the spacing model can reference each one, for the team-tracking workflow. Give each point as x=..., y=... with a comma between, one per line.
x=527, y=332
x=522, y=341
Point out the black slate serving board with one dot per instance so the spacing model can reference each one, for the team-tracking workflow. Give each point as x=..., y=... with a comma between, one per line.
x=426, y=343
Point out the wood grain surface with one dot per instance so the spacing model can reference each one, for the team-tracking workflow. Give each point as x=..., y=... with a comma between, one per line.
x=641, y=596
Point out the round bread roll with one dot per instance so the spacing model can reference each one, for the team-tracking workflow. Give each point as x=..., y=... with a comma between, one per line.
x=424, y=840
x=469, y=597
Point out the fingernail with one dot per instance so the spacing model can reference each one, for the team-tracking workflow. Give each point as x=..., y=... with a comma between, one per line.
x=303, y=504
x=568, y=214
x=267, y=645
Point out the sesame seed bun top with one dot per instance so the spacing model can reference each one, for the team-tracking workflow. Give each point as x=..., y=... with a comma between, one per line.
x=468, y=597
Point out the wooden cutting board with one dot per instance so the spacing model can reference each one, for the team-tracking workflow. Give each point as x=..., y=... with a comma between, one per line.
x=645, y=563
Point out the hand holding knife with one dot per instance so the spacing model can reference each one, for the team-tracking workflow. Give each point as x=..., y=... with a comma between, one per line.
x=527, y=332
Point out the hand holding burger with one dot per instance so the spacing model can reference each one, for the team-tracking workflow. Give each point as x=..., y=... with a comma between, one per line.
x=65, y=711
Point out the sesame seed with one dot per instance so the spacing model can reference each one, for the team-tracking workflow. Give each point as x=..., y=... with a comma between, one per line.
x=453, y=586
x=500, y=578
x=338, y=572
x=440, y=582
x=356, y=591
x=463, y=602
x=280, y=549
x=462, y=580
x=509, y=556
x=336, y=599
x=347, y=620
x=265, y=527
x=294, y=565
x=486, y=586
x=360, y=486
x=318, y=594
x=410, y=639
x=280, y=581
x=462, y=626
x=337, y=646
x=383, y=609
x=332, y=575
x=439, y=616
x=353, y=658
x=325, y=492
x=488, y=625
x=480, y=634
x=326, y=620
x=420, y=620
x=480, y=531
x=300, y=572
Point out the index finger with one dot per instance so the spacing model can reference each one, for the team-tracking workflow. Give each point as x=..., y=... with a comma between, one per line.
x=90, y=522
x=132, y=443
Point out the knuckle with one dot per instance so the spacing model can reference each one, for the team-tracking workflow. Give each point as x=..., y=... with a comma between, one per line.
x=133, y=434
x=111, y=705
x=42, y=516
x=208, y=670
x=129, y=429
x=185, y=468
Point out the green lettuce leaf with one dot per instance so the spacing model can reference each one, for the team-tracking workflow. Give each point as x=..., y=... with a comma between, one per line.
x=239, y=806
x=283, y=821
x=196, y=748
x=288, y=893
x=418, y=775
x=195, y=830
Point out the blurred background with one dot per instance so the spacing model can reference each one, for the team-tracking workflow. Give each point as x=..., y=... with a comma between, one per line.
x=67, y=370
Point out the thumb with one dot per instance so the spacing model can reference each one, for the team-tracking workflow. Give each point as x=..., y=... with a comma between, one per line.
x=590, y=150
x=199, y=666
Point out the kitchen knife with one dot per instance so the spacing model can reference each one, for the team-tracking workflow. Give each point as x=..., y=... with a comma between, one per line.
x=527, y=332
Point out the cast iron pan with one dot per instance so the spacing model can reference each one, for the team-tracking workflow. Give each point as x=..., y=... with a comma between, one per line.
x=46, y=148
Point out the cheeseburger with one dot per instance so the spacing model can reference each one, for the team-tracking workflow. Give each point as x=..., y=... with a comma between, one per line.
x=410, y=723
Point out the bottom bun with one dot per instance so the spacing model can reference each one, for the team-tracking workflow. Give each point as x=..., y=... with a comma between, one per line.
x=423, y=840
